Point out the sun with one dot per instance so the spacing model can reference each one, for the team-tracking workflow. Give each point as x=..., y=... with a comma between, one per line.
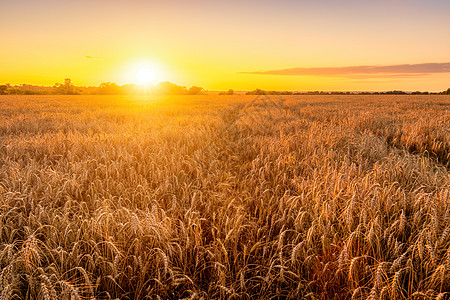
x=143, y=72
x=145, y=76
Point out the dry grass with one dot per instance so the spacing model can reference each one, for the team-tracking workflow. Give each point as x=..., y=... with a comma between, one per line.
x=219, y=197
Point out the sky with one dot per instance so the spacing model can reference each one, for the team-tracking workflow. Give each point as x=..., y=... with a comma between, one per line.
x=239, y=44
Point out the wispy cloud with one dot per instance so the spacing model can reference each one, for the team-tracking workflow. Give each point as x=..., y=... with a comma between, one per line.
x=408, y=70
x=87, y=56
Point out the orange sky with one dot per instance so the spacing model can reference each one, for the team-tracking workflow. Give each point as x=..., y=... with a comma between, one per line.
x=226, y=44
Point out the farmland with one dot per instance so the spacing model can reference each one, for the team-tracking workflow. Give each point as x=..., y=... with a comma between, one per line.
x=316, y=197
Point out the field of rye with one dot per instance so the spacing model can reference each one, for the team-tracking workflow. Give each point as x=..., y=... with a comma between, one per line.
x=244, y=197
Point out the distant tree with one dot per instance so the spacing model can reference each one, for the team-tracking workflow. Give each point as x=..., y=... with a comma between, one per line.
x=169, y=88
x=257, y=92
x=66, y=88
x=109, y=88
x=15, y=91
x=3, y=89
x=395, y=92
x=195, y=90
x=31, y=92
x=229, y=92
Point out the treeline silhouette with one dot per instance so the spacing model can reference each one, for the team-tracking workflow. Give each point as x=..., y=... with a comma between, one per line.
x=105, y=88
x=395, y=92
x=166, y=88
x=447, y=92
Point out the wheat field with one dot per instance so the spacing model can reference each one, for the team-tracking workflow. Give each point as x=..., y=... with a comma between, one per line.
x=208, y=197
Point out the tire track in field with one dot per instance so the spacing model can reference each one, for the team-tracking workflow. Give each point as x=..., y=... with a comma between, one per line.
x=254, y=110
x=437, y=149
x=242, y=124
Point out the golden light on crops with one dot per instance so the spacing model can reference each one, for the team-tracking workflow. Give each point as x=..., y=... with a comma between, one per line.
x=356, y=195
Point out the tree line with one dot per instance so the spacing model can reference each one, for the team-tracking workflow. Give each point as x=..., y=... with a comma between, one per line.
x=105, y=88
x=166, y=88
x=394, y=92
x=447, y=92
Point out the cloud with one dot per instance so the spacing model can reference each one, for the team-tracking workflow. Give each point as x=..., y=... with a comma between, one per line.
x=87, y=56
x=408, y=70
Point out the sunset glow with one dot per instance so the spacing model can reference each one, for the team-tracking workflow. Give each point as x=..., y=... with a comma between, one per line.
x=226, y=44
x=145, y=76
